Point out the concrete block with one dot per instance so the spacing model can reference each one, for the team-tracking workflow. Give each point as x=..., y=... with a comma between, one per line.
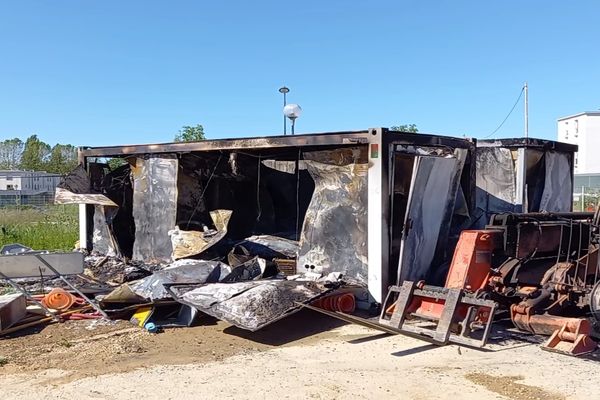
x=13, y=308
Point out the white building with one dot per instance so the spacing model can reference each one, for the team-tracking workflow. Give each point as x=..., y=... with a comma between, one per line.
x=583, y=129
x=28, y=182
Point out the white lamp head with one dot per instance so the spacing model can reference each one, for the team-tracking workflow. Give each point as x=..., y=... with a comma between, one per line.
x=292, y=111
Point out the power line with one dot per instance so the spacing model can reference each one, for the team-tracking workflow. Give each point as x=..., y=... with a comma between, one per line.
x=508, y=115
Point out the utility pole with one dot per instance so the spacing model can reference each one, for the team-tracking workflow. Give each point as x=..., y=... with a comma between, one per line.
x=526, y=89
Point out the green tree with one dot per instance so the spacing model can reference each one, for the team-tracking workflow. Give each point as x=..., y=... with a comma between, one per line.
x=63, y=159
x=410, y=128
x=116, y=162
x=10, y=153
x=190, y=134
x=35, y=154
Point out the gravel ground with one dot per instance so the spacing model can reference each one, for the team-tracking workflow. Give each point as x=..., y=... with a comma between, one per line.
x=304, y=356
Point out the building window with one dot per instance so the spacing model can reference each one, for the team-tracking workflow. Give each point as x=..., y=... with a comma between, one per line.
x=9, y=178
x=576, y=126
x=10, y=187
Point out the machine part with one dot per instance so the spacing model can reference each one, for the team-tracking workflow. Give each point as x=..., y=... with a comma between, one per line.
x=573, y=338
x=457, y=314
x=523, y=318
x=595, y=306
x=472, y=261
x=456, y=308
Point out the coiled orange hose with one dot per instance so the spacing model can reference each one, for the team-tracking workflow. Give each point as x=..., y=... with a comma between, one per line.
x=341, y=302
x=59, y=299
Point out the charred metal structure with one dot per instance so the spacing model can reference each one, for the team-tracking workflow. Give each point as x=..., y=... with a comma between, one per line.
x=523, y=175
x=378, y=206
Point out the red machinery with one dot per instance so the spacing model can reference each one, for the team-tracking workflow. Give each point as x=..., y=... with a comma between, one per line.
x=457, y=309
x=541, y=267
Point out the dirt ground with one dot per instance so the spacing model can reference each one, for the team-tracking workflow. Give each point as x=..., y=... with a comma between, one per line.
x=304, y=356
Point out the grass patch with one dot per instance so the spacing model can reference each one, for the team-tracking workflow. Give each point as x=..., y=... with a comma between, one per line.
x=49, y=228
x=6, y=290
x=3, y=361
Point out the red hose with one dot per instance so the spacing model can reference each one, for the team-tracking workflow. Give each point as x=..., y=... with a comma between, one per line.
x=80, y=316
x=345, y=303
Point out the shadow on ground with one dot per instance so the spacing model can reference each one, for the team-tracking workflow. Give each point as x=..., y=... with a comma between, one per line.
x=301, y=325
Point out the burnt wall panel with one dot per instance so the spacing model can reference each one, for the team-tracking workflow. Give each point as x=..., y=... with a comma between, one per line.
x=558, y=185
x=334, y=234
x=154, y=207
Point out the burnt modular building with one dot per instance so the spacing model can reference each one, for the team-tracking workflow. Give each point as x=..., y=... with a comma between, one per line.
x=376, y=205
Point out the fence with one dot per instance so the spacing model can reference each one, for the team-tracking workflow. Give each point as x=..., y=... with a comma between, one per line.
x=585, y=198
x=586, y=192
x=27, y=188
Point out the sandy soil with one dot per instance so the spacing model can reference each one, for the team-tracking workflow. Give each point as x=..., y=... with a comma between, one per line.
x=304, y=356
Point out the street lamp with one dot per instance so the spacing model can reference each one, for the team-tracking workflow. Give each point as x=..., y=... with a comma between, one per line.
x=292, y=111
x=285, y=91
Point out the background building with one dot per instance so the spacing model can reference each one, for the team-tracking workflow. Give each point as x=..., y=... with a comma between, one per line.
x=582, y=129
x=27, y=187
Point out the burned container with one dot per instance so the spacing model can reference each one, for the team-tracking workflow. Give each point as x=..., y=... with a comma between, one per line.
x=375, y=205
x=523, y=175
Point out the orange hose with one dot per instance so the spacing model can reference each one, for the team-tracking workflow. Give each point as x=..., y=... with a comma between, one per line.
x=344, y=302
x=59, y=299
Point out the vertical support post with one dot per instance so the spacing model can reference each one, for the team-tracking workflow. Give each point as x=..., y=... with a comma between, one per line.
x=284, y=118
x=582, y=198
x=526, y=88
x=377, y=227
x=83, y=244
x=521, y=165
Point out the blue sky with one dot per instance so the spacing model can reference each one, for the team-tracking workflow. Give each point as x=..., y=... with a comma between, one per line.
x=116, y=72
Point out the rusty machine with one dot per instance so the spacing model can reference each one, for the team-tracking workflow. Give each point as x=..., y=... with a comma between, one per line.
x=540, y=269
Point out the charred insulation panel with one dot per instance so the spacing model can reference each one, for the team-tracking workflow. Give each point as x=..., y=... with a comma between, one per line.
x=334, y=236
x=250, y=305
x=154, y=207
x=523, y=175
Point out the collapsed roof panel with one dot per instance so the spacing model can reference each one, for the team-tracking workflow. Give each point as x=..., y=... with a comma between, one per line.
x=250, y=305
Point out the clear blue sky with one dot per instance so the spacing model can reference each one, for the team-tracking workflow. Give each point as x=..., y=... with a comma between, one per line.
x=116, y=72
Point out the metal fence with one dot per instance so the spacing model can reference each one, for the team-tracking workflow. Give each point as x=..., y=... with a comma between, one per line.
x=586, y=198
x=27, y=189
x=586, y=192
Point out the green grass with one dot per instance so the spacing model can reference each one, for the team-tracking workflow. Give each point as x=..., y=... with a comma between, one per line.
x=49, y=228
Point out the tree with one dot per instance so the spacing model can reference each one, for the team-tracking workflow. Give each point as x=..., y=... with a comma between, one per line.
x=10, y=153
x=115, y=163
x=190, y=134
x=35, y=154
x=63, y=159
x=410, y=128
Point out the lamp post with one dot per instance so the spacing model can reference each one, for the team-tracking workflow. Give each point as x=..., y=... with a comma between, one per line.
x=284, y=90
x=292, y=111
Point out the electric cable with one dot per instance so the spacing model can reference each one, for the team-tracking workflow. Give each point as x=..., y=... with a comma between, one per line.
x=508, y=115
